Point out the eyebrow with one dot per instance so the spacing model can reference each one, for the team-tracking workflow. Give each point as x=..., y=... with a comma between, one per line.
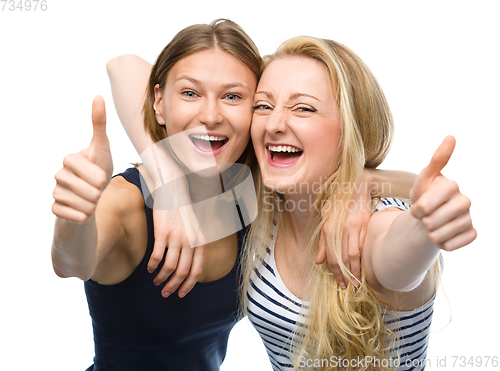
x=292, y=96
x=298, y=95
x=225, y=86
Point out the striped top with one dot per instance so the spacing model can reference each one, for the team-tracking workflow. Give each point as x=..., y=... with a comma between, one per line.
x=275, y=312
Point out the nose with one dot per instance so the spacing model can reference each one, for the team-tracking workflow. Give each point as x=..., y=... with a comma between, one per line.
x=211, y=114
x=276, y=122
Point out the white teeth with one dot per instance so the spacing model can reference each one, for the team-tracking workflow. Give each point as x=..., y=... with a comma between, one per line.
x=289, y=149
x=213, y=138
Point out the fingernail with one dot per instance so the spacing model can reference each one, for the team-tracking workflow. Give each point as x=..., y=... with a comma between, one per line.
x=166, y=294
x=156, y=283
x=342, y=284
x=182, y=294
x=150, y=270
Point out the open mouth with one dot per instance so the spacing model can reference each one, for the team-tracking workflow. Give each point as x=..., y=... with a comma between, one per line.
x=283, y=155
x=208, y=143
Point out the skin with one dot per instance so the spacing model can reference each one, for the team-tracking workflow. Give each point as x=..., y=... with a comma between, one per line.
x=100, y=228
x=128, y=76
x=395, y=265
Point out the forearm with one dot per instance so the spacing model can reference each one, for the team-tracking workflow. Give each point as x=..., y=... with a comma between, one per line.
x=391, y=183
x=74, y=248
x=129, y=75
x=404, y=255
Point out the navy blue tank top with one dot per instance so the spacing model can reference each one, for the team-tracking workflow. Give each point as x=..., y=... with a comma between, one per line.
x=136, y=329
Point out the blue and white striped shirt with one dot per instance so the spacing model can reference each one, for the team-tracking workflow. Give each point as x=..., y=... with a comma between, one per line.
x=276, y=314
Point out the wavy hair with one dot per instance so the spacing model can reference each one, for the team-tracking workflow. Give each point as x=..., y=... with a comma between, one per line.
x=347, y=323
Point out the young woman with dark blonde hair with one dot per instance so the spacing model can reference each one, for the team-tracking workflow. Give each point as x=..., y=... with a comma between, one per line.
x=104, y=232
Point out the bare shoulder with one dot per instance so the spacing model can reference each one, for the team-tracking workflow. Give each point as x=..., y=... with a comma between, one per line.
x=128, y=204
x=124, y=207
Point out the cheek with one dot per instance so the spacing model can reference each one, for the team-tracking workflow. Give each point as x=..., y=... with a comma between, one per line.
x=257, y=129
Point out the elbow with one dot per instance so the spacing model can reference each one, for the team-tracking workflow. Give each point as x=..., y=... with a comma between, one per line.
x=67, y=270
x=117, y=63
x=400, y=285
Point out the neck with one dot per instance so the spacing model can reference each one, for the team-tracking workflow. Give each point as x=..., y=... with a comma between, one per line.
x=203, y=188
x=299, y=207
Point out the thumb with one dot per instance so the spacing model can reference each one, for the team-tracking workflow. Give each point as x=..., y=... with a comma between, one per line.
x=438, y=161
x=99, y=138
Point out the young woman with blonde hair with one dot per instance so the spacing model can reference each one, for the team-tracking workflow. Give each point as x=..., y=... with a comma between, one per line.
x=316, y=97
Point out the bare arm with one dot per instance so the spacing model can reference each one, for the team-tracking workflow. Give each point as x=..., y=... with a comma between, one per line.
x=81, y=240
x=129, y=75
x=391, y=183
x=402, y=246
x=373, y=182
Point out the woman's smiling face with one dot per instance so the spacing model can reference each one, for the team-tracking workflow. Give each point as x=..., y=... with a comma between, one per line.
x=210, y=91
x=296, y=124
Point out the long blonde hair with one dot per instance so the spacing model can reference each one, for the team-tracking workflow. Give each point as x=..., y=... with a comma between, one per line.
x=347, y=323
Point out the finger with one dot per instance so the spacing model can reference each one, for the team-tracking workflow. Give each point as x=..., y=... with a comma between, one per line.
x=321, y=255
x=353, y=254
x=455, y=207
x=180, y=273
x=170, y=265
x=441, y=192
x=194, y=273
x=451, y=229
x=158, y=252
x=65, y=212
x=86, y=170
x=161, y=220
x=335, y=269
x=70, y=199
x=430, y=172
x=99, y=137
x=362, y=238
x=461, y=240
x=69, y=180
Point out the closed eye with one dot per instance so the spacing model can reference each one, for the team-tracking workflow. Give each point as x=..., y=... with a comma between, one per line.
x=261, y=106
x=305, y=109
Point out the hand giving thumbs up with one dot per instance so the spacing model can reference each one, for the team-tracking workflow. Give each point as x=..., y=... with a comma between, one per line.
x=84, y=174
x=440, y=206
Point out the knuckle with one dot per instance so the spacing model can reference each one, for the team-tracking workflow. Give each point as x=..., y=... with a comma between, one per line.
x=467, y=203
x=424, y=206
x=426, y=222
x=183, y=272
x=91, y=208
x=197, y=271
x=58, y=176
x=434, y=238
x=82, y=218
x=354, y=254
x=169, y=267
x=101, y=178
x=69, y=160
x=452, y=185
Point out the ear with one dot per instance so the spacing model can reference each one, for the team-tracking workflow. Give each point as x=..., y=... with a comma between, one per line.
x=157, y=106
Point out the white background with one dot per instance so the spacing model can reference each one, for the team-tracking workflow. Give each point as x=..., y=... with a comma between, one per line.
x=437, y=61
